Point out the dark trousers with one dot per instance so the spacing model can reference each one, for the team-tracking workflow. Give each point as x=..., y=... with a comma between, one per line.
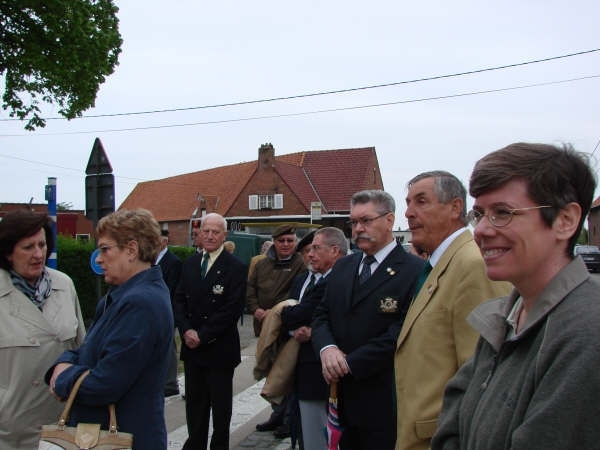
x=354, y=438
x=280, y=413
x=171, y=384
x=207, y=389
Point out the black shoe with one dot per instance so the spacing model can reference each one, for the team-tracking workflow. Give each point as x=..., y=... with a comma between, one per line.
x=282, y=431
x=171, y=392
x=269, y=425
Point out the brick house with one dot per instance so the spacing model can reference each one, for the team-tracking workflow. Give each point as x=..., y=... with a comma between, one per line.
x=256, y=196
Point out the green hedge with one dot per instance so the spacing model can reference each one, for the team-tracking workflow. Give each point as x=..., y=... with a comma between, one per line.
x=73, y=258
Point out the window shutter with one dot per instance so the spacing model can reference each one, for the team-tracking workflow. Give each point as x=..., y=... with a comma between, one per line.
x=252, y=202
x=278, y=201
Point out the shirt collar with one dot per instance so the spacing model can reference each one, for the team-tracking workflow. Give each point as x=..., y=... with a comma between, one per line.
x=212, y=256
x=513, y=317
x=384, y=252
x=439, y=251
x=161, y=254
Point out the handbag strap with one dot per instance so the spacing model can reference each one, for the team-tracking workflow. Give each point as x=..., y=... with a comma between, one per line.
x=112, y=426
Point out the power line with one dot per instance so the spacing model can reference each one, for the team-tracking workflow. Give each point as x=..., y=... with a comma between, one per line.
x=596, y=147
x=79, y=171
x=305, y=113
x=331, y=92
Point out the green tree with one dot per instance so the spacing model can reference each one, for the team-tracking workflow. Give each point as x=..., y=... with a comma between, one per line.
x=56, y=52
x=64, y=206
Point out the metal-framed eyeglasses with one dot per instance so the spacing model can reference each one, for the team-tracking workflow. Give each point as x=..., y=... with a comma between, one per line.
x=366, y=221
x=498, y=216
x=318, y=248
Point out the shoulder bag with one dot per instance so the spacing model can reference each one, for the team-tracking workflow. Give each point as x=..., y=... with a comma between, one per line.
x=86, y=436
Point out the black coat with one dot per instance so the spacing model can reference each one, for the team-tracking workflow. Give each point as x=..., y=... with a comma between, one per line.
x=309, y=381
x=364, y=322
x=212, y=307
x=170, y=265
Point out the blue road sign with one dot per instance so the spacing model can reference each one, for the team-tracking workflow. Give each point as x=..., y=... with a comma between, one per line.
x=95, y=267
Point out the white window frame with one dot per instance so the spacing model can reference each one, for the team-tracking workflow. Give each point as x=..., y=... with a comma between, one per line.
x=278, y=201
x=253, y=202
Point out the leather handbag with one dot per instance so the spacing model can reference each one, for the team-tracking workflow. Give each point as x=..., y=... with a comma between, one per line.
x=85, y=436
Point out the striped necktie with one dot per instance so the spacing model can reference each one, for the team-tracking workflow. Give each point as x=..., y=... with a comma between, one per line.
x=365, y=273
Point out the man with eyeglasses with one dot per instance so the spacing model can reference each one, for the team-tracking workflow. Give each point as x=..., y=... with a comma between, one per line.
x=326, y=247
x=533, y=379
x=435, y=324
x=355, y=327
x=268, y=284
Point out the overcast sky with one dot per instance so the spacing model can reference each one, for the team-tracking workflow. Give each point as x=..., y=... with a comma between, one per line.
x=186, y=54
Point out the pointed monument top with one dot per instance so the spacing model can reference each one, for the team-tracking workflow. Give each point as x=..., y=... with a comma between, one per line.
x=98, y=162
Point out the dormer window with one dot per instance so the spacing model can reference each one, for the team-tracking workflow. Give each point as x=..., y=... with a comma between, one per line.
x=265, y=201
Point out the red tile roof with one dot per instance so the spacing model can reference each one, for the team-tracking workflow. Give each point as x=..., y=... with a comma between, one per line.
x=175, y=197
x=337, y=174
x=330, y=175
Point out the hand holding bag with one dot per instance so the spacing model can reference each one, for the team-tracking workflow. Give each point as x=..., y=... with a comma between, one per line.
x=85, y=435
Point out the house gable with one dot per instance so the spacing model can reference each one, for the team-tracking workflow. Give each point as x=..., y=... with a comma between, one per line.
x=272, y=188
x=274, y=180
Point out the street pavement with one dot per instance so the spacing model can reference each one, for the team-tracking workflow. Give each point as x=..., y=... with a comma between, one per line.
x=249, y=408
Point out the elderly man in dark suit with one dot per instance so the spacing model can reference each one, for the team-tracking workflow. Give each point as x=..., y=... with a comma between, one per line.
x=208, y=302
x=356, y=326
x=329, y=245
x=170, y=266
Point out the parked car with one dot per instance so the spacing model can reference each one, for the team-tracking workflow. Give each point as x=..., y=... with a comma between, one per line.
x=590, y=255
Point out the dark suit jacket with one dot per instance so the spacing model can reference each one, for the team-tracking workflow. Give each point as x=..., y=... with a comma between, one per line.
x=211, y=306
x=309, y=381
x=170, y=265
x=364, y=322
x=296, y=286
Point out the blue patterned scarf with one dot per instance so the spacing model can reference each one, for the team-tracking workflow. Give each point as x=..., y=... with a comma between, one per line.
x=38, y=293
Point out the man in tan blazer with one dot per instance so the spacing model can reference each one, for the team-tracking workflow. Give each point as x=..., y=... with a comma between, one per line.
x=435, y=339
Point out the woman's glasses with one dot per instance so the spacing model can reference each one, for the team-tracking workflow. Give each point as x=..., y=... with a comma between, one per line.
x=498, y=216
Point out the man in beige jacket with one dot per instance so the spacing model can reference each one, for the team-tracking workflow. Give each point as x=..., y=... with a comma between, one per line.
x=435, y=339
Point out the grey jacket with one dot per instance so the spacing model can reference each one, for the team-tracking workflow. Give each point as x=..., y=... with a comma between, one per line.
x=30, y=342
x=539, y=389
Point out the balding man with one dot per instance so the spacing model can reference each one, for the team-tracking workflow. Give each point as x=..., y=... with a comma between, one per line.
x=208, y=302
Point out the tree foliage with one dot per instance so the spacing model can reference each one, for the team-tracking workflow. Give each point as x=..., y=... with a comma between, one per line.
x=64, y=206
x=57, y=52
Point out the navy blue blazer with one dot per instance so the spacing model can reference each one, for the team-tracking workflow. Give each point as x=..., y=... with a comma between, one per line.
x=364, y=321
x=127, y=349
x=212, y=307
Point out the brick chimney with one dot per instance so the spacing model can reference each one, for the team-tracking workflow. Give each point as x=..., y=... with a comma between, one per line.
x=266, y=156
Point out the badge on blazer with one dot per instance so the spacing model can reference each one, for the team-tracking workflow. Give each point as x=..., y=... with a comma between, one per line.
x=218, y=289
x=388, y=305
